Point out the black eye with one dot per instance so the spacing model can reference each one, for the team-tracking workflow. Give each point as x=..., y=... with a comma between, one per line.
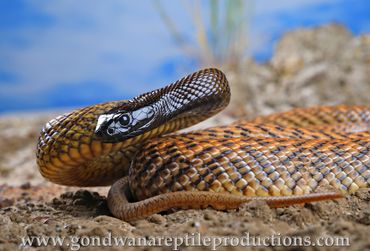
x=110, y=131
x=125, y=120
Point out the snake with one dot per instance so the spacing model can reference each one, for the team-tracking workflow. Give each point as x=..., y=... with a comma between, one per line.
x=292, y=157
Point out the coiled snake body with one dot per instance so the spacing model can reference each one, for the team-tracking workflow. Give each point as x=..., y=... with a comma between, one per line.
x=283, y=158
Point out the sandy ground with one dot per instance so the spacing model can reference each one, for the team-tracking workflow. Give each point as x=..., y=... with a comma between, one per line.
x=31, y=206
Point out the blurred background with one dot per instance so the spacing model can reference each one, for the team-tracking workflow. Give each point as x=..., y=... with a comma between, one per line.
x=276, y=54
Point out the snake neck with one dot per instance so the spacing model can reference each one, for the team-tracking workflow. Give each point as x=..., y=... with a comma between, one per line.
x=74, y=149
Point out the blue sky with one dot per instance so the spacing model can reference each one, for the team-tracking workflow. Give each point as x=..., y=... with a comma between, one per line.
x=68, y=53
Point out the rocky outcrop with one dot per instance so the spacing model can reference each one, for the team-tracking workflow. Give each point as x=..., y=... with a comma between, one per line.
x=320, y=66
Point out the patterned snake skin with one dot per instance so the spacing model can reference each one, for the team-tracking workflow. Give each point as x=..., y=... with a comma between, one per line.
x=283, y=158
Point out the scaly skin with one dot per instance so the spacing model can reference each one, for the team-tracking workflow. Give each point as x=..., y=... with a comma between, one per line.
x=283, y=158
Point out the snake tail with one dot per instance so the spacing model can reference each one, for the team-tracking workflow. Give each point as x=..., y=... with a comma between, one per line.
x=121, y=208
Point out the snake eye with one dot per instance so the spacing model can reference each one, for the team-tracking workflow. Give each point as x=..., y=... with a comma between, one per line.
x=110, y=131
x=125, y=120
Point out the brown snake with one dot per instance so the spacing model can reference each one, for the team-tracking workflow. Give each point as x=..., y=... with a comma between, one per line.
x=283, y=158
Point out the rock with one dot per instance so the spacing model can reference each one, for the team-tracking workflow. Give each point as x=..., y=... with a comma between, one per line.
x=321, y=66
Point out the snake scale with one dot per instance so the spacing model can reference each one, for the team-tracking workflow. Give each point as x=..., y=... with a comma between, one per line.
x=283, y=158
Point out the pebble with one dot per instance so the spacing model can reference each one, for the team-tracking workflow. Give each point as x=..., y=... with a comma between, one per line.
x=79, y=202
x=157, y=219
x=26, y=185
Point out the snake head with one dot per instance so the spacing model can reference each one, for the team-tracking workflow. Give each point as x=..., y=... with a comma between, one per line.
x=121, y=125
x=175, y=106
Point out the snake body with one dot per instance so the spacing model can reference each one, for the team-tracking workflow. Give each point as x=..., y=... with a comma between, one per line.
x=283, y=158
